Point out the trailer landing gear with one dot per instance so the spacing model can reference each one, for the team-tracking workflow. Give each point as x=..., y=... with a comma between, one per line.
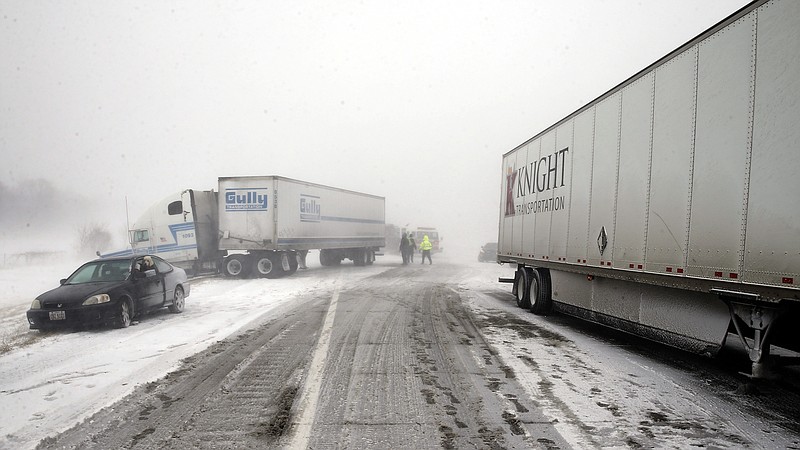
x=747, y=312
x=761, y=320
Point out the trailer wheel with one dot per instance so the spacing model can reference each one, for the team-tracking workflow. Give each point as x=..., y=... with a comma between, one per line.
x=325, y=258
x=235, y=266
x=277, y=266
x=264, y=266
x=539, y=294
x=370, y=257
x=360, y=257
x=293, y=264
x=522, y=284
x=329, y=257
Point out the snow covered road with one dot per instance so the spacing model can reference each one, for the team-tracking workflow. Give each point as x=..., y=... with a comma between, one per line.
x=417, y=356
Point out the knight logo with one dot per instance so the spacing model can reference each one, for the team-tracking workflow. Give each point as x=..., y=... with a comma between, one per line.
x=246, y=199
x=310, y=208
x=510, y=178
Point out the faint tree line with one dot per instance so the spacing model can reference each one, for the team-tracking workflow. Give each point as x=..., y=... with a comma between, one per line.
x=92, y=238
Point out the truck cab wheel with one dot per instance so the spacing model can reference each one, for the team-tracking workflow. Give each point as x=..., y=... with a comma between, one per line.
x=235, y=266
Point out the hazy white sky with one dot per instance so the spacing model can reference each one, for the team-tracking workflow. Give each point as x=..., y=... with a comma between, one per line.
x=415, y=101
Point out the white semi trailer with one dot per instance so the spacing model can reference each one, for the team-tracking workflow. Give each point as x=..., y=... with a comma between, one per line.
x=261, y=225
x=669, y=206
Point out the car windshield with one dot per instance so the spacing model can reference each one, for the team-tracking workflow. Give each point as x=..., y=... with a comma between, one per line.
x=101, y=271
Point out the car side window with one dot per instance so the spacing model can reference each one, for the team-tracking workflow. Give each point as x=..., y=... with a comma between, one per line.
x=162, y=266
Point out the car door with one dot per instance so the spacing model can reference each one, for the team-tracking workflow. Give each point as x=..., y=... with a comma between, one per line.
x=150, y=288
x=168, y=277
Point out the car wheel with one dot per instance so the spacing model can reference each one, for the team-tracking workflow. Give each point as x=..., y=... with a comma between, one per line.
x=124, y=314
x=179, y=302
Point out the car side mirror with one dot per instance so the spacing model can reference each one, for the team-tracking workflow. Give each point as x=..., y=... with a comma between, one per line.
x=62, y=281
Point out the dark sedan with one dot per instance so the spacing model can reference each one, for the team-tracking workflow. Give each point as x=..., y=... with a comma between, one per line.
x=111, y=291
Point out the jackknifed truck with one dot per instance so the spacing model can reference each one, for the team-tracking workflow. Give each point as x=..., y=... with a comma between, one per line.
x=669, y=206
x=262, y=226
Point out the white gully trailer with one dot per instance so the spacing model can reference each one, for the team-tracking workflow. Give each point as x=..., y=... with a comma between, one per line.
x=261, y=226
x=669, y=207
x=264, y=222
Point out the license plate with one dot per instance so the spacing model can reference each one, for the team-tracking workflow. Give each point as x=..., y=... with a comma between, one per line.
x=58, y=315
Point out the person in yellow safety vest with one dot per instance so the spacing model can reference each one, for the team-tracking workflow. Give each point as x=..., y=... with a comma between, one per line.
x=426, y=247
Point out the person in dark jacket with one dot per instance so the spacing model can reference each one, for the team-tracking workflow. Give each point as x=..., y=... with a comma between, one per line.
x=404, y=244
x=412, y=247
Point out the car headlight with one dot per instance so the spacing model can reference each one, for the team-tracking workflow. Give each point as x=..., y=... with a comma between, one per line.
x=36, y=304
x=97, y=299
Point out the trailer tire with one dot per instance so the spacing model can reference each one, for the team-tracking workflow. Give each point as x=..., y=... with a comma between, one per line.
x=522, y=285
x=235, y=266
x=370, y=257
x=324, y=258
x=329, y=258
x=293, y=264
x=360, y=257
x=539, y=294
x=277, y=266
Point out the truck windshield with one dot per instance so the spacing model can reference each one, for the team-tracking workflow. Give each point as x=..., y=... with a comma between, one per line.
x=140, y=236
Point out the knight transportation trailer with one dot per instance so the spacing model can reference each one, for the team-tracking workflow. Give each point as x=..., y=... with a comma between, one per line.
x=669, y=206
x=261, y=225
